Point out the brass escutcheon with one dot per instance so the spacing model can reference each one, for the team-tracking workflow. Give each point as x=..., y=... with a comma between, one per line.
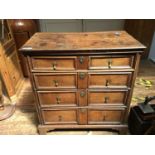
x=82, y=75
x=82, y=93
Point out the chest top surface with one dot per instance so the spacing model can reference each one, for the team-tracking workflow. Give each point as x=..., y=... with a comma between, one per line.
x=109, y=40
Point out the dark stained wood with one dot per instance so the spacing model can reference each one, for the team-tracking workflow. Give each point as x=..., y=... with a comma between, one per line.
x=142, y=30
x=91, y=94
x=23, y=29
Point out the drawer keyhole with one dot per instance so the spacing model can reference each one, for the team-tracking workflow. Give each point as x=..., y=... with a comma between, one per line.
x=56, y=83
x=58, y=99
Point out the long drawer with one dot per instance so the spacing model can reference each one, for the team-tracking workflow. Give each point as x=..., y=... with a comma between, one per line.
x=82, y=116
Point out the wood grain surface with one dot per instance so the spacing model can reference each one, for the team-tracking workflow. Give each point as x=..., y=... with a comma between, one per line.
x=81, y=41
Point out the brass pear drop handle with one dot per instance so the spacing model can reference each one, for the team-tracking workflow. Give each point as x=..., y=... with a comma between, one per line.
x=109, y=63
x=56, y=83
x=81, y=59
x=104, y=117
x=58, y=99
x=107, y=83
x=106, y=99
x=54, y=65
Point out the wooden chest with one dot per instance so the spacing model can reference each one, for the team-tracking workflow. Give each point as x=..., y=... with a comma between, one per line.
x=82, y=80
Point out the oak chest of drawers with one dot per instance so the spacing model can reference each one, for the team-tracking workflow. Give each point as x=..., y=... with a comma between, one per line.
x=82, y=80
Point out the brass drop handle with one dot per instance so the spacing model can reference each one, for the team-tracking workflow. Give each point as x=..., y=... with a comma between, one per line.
x=56, y=83
x=54, y=65
x=81, y=59
x=82, y=93
x=106, y=99
x=82, y=75
x=58, y=99
x=109, y=63
x=107, y=83
x=60, y=118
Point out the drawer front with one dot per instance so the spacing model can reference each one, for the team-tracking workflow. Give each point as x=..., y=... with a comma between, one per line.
x=55, y=80
x=57, y=98
x=53, y=63
x=100, y=80
x=104, y=116
x=60, y=116
x=107, y=98
x=116, y=62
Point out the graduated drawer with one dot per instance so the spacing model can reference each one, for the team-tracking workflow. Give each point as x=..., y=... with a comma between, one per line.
x=60, y=116
x=96, y=116
x=55, y=80
x=57, y=98
x=100, y=97
x=109, y=80
x=53, y=63
x=111, y=62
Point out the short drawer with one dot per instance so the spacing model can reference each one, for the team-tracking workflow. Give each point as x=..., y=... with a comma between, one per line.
x=109, y=80
x=60, y=116
x=57, y=98
x=55, y=80
x=53, y=63
x=105, y=116
x=97, y=97
x=111, y=62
